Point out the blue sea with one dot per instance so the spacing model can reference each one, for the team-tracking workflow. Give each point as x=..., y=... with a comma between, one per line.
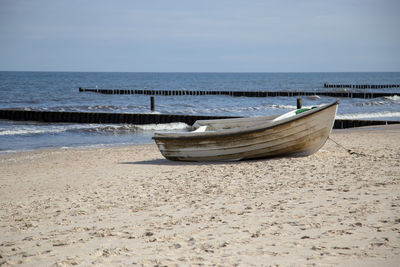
x=58, y=91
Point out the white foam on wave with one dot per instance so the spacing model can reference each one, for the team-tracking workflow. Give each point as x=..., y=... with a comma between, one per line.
x=11, y=151
x=246, y=110
x=395, y=98
x=90, y=128
x=388, y=114
x=29, y=131
x=386, y=100
x=283, y=106
x=163, y=127
x=126, y=128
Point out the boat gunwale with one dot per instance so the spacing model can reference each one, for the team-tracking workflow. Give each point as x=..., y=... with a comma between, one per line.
x=230, y=132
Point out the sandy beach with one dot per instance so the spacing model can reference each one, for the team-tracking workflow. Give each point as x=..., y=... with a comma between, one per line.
x=129, y=205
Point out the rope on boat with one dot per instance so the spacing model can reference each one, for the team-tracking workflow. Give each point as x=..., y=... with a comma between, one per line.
x=351, y=152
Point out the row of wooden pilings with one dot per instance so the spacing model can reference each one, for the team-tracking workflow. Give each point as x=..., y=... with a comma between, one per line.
x=99, y=117
x=235, y=93
x=362, y=86
x=129, y=118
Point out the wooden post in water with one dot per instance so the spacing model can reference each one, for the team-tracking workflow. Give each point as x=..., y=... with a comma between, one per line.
x=152, y=103
x=299, y=104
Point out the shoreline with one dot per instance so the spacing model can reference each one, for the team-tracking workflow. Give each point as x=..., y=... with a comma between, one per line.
x=151, y=142
x=88, y=147
x=128, y=205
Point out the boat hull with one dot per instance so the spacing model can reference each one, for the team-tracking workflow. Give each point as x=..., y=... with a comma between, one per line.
x=302, y=135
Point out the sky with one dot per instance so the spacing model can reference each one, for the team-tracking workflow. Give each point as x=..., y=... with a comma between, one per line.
x=200, y=36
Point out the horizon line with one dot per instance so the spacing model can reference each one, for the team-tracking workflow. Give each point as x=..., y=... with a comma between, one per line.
x=204, y=72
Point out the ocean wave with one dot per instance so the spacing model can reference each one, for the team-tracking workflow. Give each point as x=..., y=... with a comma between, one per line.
x=30, y=131
x=386, y=100
x=131, y=128
x=373, y=115
x=246, y=109
x=283, y=106
x=394, y=98
x=372, y=103
x=113, y=108
x=163, y=127
x=91, y=128
x=88, y=108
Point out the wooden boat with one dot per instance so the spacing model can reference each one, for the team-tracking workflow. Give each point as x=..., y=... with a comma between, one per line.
x=297, y=133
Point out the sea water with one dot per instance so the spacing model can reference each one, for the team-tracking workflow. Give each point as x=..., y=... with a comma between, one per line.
x=58, y=91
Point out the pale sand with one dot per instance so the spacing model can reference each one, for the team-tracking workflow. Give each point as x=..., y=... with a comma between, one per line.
x=120, y=206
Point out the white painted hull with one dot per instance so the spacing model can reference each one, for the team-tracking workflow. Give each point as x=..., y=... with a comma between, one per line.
x=299, y=135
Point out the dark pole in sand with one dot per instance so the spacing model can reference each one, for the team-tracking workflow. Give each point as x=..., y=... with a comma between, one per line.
x=152, y=103
x=298, y=103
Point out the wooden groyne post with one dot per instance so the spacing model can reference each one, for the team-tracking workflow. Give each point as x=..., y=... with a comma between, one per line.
x=152, y=103
x=299, y=103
